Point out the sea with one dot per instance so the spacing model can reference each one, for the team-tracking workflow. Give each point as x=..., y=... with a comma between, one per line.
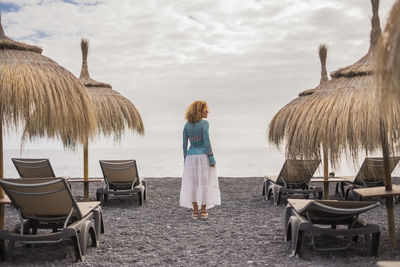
x=168, y=162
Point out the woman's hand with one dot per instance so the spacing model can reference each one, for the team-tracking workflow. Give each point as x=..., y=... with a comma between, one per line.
x=213, y=166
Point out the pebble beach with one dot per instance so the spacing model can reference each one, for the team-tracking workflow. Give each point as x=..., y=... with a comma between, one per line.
x=245, y=230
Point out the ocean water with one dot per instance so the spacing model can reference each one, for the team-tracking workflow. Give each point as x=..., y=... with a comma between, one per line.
x=160, y=162
x=163, y=162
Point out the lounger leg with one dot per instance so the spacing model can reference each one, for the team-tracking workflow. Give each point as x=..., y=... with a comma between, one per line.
x=93, y=237
x=145, y=190
x=346, y=195
x=83, y=233
x=299, y=242
x=2, y=250
x=10, y=249
x=269, y=194
x=86, y=231
x=99, y=196
x=77, y=248
x=102, y=224
x=277, y=196
x=287, y=227
x=373, y=244
x=140, y=195
x=342, y=188
x=268, y=190
x=98, y=224
x=26, y=228
x=263, y=190
x=297, y=236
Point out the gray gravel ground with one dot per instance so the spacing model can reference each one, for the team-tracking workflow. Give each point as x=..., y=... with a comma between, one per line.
x=244, y=230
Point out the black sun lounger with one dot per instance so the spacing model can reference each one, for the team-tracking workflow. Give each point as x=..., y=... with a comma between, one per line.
x=335, y=218
x=121, y=178
x=371, y=174
x=47, y=205
x=292, y=181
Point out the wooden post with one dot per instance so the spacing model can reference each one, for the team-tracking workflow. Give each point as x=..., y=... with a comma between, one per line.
x=388, y=184
x=326, y=183
x=1, y=156
x=85, y=172
x=2, y=215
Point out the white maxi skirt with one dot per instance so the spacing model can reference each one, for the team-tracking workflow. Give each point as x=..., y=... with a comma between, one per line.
x=199, y=183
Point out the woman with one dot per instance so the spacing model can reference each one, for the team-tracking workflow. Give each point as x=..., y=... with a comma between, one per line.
x=199, y=181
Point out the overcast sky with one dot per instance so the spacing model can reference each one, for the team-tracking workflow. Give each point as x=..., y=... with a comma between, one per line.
x=247, y=58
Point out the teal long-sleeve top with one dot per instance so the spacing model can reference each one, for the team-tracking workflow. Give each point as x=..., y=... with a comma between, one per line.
x=199, y=138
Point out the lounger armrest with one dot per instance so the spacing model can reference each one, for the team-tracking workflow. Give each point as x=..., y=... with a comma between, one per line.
x=272, y=178
x=87, y=207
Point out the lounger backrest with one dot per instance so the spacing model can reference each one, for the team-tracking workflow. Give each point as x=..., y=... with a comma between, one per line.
x=372, y=169
x=33, y=168
x=330, y=209
x=120, y=171
x=41, y=197
x=298, y=171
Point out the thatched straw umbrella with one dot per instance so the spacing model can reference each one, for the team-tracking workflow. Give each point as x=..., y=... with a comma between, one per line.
x=115, y=113
x=388, y=74
x=388, y=77
x=36, y=90
x=278, y=127
x=343, y=115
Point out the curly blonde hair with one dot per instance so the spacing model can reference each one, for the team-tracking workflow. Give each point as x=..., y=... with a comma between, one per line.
x=194, y=112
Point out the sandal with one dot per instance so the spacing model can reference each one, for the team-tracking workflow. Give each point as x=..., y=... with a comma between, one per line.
x=195, y=215
x=204, y=215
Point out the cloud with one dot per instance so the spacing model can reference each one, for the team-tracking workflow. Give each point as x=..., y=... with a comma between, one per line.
x=246, y=58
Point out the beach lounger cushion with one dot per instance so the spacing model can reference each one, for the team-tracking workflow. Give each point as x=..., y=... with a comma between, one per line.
x=121, y=178
x=292, y=181
x=370, y=174
x=312, y=216
x=47, y=204
x=33, y=168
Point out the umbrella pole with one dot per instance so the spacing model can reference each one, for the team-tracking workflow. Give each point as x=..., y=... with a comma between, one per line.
x=326, y=183
x=2, y=214
x=1, y=155
x=388, y=185
x=85, y=172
